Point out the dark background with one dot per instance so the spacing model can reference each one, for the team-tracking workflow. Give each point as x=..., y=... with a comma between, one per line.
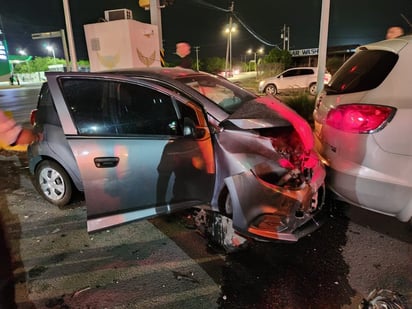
x=350, y=22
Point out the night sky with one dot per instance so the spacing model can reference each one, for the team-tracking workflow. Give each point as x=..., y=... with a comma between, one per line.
x=351, y=22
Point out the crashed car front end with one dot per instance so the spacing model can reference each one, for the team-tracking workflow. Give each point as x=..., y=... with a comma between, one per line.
x=276, y=181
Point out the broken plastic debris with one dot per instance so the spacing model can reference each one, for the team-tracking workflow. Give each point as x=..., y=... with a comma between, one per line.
x=384, y=299
x=182, y=276
x=81, y=291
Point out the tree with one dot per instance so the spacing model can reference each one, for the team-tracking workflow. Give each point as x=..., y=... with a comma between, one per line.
x=214, y=65
x=41, y=64
x=279, y=56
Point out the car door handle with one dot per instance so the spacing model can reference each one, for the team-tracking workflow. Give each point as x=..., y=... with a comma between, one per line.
x=104, y=162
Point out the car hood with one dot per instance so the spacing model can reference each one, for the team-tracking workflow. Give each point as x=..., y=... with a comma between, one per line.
x=269, y=112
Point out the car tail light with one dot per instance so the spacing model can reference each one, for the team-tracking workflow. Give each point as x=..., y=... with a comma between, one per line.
x=33, y=116
x=359, y=118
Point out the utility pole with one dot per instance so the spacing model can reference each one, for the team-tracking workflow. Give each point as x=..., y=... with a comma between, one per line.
x=197, y=57
x=72, y=49
x=229, y=43
x=156, y=19
x=323, y=44
x=285, y=36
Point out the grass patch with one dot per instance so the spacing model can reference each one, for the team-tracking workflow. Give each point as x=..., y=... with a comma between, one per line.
x=302, y=103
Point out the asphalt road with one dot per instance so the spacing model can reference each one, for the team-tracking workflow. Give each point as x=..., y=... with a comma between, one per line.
x=163, y=263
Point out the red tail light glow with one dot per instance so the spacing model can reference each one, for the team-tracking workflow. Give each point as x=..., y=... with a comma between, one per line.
x=359, y=118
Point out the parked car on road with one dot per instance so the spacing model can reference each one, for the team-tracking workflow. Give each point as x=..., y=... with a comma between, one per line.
x=363, y=125
x=151, y=141
x=300, y=78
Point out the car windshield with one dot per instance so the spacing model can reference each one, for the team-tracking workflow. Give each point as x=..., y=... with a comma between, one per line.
x=222, y=92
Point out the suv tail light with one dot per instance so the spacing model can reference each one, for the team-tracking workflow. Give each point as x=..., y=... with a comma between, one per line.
x=360, y=118
x=33, y=116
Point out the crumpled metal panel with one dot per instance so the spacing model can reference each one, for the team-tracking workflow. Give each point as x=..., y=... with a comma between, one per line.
x=268, y=211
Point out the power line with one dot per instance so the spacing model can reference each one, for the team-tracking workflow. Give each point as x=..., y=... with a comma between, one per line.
x=255, y=35
x=232, y=13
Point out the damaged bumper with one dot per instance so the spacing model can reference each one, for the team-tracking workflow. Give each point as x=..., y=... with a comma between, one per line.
x=267, y=211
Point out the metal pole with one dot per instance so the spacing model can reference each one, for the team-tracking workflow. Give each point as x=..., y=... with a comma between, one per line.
x=229, y=42
x=66, y=54
x=323, y=43
x=156, y=19
x=54, y=55
x=197, y=57
x=69, y=29
x=288, y=37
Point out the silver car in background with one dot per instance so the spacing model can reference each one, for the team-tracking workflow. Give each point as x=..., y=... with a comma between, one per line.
x=152, y=141
x=299, y=78
x=363, y=128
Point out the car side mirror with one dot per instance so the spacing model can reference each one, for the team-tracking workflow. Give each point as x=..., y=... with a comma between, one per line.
x=190, y=129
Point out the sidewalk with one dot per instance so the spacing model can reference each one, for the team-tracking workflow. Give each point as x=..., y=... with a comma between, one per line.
x=6, y=85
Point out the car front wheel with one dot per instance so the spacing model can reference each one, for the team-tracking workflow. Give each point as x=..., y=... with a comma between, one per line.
x=312, y=89
x=53, y=183
x=271, y=89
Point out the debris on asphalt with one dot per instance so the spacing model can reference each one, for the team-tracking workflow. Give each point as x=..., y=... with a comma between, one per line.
x=181, y=276
x=76, y=293
x=384, y=299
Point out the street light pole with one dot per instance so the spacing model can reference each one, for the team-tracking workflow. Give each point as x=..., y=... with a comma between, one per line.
x=23, y=53
x=250, y=51
x=72, y=49
x=197, y=57
x=50, y=48
x=228, y=63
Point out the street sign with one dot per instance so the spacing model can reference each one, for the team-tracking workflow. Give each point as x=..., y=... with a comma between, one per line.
x=45, y=35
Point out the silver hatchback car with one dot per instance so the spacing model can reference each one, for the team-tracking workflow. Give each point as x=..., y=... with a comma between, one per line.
x=299, y=78
x=152, y=141
x=362, y=127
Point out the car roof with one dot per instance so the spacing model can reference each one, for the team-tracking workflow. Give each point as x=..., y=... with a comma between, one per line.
x=301, y=68
x=392, y=45
x=154, y=72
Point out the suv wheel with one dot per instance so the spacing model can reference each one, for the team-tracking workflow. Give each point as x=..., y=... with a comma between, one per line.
x=53, y=183
x=271, y=89
x=312, y=89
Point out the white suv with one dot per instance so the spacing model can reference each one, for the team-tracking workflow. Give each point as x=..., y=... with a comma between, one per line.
x=363, y=128
x=293, y=79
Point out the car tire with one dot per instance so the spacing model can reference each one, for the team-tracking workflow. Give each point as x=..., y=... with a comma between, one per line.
x=53, y=183
x=312, y=89
x=271, y=89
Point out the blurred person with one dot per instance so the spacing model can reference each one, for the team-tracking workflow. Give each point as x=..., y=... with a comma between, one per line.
x=183, y=51
x=10, y=134
x=394, y=32
x=13, y=134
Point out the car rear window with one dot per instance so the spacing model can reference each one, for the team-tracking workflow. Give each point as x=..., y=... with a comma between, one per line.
x=365, y=70
x=46, y=111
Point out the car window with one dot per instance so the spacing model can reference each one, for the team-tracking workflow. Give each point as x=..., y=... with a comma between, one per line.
x=46, y=111
x=290, y=73
x=306, y=72
x=223, y=93
x=102, y=107
x=365, y=70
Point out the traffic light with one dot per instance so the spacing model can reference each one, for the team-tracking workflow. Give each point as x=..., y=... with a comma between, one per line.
x=162, y=3
x=144, y=4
